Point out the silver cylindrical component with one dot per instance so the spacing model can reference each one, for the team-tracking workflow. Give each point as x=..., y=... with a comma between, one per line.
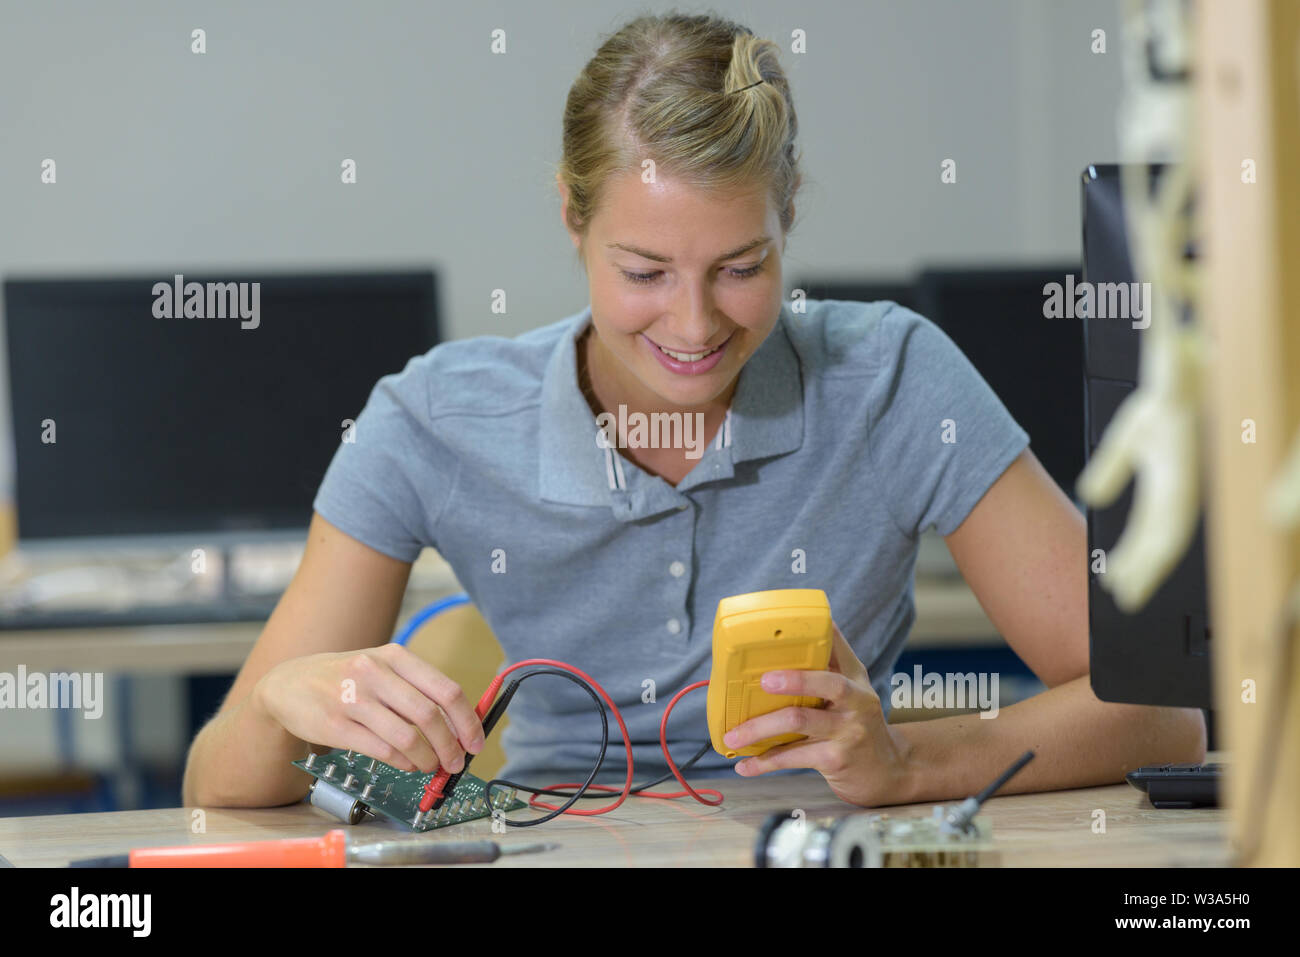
x=790, y=840
x=854, y=842
x=331, y=800
x=311, y=760
x=867, y=840
x=349, y=781
x=365, y=792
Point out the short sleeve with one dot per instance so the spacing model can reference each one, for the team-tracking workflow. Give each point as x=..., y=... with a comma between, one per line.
x=386, y=488
x=940, y=436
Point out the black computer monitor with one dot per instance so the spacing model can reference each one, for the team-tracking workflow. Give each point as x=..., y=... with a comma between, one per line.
x=1159, y=655
x=900, y=290
x=995, y=316
x=190, y=427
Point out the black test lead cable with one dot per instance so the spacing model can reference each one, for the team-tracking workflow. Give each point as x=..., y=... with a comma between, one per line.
x=494, y=715
x=564, y=792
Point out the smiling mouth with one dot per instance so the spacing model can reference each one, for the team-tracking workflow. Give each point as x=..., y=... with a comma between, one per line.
x=689, y=356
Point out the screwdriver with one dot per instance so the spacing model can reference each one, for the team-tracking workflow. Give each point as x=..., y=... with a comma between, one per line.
x=422, y=852
x=332, y=850
x=958, y=819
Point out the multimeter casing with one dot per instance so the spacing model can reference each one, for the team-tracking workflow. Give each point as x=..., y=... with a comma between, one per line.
x=759, y=632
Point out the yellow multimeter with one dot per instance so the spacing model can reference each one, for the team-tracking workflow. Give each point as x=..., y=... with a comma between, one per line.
x=756, y=633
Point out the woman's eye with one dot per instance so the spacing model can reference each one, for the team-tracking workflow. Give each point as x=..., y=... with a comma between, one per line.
x=753, y=270
x=643, y=278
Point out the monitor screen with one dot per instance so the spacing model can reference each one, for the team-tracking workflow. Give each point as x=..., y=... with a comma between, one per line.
x=995, y=316
x=1159, y=654
x=153, y=406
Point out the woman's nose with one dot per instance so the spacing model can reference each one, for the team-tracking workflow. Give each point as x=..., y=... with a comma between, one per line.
x=694, y=320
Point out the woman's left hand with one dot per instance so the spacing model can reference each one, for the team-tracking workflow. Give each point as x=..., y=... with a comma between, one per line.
x=861, y=757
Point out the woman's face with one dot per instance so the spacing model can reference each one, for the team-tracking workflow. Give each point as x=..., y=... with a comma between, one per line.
x=673, y=269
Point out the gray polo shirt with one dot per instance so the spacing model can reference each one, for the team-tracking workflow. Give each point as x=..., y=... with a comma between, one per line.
x=853, y=428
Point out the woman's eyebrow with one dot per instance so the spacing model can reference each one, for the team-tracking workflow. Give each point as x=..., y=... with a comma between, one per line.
x=646, y=254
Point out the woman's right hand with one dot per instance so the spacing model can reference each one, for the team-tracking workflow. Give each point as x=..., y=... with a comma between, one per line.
x=384, y=702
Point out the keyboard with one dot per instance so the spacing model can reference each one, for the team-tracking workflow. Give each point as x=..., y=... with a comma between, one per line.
x=1178, y=785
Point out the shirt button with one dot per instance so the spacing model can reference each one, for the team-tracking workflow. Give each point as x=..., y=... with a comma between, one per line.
x=683, y=507
x=677, y=569
x=674, y=626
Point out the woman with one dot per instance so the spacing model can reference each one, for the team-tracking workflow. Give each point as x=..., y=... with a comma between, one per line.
x=814, y=442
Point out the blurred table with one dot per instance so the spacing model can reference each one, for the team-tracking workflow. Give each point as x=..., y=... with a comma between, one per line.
x=1051, y=829
x=947, y=615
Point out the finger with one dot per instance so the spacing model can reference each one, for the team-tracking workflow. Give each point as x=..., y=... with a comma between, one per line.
x=844, y=659
x=408, y=703
x=816, y=753
x=401, y=734
x=364, y=741
x=837, y=690
x=810, y=721
x=446, y=693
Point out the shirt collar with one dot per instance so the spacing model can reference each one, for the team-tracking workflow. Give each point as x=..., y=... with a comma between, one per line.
x=766, y=420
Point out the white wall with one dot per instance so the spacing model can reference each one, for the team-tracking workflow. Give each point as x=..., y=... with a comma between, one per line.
x=168, y=161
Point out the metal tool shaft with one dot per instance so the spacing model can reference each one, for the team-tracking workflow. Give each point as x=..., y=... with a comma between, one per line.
x=436, y=852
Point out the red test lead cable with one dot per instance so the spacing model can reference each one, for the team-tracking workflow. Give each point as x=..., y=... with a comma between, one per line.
x=535, y=800
x=433, y=790
x=672, y=766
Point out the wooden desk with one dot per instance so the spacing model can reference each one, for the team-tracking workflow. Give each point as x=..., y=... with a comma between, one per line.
x=1052, y=829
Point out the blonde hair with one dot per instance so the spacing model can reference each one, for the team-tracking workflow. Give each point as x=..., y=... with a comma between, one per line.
x=701, y=96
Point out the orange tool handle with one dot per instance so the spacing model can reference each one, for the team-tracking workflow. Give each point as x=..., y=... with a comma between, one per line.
x=328, y=851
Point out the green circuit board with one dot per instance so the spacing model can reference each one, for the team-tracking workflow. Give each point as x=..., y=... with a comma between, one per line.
x=396, y=794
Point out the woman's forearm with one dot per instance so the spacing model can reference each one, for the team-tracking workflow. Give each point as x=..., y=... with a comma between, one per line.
x=241, y=759
x=1078, y=740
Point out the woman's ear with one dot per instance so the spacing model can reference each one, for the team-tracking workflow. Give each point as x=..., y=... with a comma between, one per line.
x=564, y=212
x=794, y=190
